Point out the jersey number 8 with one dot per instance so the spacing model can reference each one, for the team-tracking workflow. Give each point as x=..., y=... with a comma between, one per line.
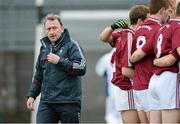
x=159, y=42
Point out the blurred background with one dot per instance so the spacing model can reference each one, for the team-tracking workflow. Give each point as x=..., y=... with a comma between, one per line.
x=85, y=19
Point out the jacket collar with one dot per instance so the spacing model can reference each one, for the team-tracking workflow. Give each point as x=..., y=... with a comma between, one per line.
x=64, y=38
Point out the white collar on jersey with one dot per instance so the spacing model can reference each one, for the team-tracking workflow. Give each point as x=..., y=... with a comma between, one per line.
x=155, y=20
x=175, y=19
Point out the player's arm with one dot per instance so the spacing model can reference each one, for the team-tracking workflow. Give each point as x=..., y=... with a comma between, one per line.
x=106, y=34
x=165, y=61
x=137, y=55
x=127, y=72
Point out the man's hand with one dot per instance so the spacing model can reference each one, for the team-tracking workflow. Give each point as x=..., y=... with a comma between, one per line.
x=119, y=24
x=29, y=103
x=165, y=61
x=53, y=58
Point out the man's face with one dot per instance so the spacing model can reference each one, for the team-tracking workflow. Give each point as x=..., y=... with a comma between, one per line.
x=53, y=30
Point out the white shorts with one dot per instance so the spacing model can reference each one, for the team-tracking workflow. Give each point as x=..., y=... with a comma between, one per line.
x=124, y=100
x=163, y=91
x=142, y=100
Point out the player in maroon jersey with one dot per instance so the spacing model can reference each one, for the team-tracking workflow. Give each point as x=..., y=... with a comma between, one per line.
x=169, y=59
x=122, y=41
x=164, y=87
x=142, y=56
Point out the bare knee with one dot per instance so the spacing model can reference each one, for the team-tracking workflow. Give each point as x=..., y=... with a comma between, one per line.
x=130, y=116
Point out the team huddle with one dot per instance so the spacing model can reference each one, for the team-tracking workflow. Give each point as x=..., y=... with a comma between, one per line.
x=145, y=62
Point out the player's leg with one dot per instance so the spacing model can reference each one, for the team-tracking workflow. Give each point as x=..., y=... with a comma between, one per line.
x=154, y=101
x=155, y=116
x=148, y=115
x=169, y=96
x=125, y=104
x=171, y=116
x=142, y=104
x=143, y=117
x=130, y=116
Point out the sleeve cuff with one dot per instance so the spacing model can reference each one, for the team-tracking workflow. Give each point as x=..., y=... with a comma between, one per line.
x=175, y=54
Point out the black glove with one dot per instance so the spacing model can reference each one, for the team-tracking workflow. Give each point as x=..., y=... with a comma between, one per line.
x=119, y=24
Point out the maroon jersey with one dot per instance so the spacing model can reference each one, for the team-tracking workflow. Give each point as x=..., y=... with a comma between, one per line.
x=122, y=40
x=144, y=39
x=176, y=34
x=166, y=40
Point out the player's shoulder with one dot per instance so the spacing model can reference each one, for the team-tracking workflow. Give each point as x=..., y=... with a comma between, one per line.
x=117, y=31
x=129, y=30
x=123, y=32
x=150, y=25
x=144, y=27
x=142, y=30
x=174, y=23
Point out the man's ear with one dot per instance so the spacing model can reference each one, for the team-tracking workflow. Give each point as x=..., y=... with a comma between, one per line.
x=161, y=11
x=140, y=22
x=62, y=28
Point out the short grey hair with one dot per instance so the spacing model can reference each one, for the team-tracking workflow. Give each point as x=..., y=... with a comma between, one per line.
x=52, y=17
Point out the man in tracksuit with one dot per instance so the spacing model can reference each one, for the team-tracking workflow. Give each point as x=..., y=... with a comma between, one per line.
x=59, y=68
